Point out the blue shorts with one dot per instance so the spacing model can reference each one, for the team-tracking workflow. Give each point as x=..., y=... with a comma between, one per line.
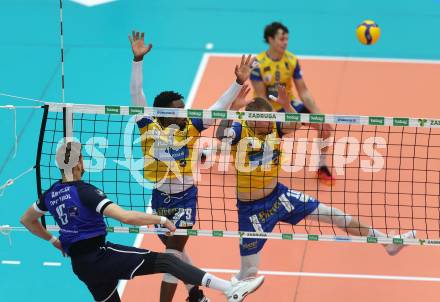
x=299, y=107
x=180, y=208
x=262, y=215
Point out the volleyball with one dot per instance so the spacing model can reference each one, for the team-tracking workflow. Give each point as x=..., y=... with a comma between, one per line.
x=368, y=32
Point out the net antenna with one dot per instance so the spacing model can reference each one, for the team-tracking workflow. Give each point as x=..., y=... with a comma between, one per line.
x=62, y=50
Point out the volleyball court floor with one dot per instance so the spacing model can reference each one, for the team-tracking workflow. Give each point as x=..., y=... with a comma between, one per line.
x=312, y=271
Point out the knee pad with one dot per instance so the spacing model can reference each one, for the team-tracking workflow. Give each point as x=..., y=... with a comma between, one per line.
x=168, y=278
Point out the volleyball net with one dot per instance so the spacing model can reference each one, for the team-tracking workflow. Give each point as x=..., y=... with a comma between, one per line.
x=387, y=170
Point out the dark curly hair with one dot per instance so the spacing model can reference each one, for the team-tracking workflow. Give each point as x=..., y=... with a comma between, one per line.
x=164, y=99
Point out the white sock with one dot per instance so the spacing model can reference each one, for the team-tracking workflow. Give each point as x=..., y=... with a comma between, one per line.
x=212, y=281
x=375, y=233
x=322, y=159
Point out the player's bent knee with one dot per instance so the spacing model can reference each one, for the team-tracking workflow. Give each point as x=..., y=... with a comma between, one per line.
x=169, y=257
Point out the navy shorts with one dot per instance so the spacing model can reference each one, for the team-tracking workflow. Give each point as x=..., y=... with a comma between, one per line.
x=102, y=268
x=262, y=215
x=180, y=208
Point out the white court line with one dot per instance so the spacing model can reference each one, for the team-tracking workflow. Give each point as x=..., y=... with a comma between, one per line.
x=51, y=263
x=197, y=80
x=330, y=275
x=11, y=262
x=338, y=58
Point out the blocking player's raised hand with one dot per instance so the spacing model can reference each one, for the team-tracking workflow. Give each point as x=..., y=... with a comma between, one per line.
x=138, y=45
x=243, y=71
x=240, y=101
x=283, y=97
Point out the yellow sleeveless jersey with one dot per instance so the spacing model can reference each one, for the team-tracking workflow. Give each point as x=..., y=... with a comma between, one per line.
x=257, y=158
x=168, y=153
x=273, y=73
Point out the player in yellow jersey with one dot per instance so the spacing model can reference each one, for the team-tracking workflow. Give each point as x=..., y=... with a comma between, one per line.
x=168, y=147
x=277, y=66
x=262, y=200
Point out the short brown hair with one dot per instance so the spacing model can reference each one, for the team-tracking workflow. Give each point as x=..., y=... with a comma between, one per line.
x=259, y=104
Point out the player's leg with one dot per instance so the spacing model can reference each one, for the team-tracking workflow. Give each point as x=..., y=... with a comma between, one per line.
x=167, y=263
x=102, y=268
x=181, y=209
x=248, y=221
x=352, y=226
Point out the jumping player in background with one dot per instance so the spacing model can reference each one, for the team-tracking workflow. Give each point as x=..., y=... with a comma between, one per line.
x=279, y=67
x=262, y=200
x=168, y=147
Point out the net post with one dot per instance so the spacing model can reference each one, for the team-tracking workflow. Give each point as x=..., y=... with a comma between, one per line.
x=38, y=159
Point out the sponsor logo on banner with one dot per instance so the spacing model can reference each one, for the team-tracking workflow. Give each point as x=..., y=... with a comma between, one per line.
x=192, y=113
x=112, y=110
x=240, y=114
x=217, y=233
x=371, y=240
x=133, y=230
x=400, y=121
x=262, y=115
x=165, y=112
x=136, y=110
x=252, y=234
x=434, y=122
x=292, y=117
x=313, y=237
x=347, y=120
x=287, y=236
x=376, y=120
x=219, y=114
x=192, y=232
x=110, y=229
x=317, y=118
x=422, y=122
x=433, y=242
x=397, y=241
x=342, y=238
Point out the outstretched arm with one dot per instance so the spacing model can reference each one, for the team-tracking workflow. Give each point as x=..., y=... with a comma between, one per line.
x=137, y=218
x=225, y=129
x=139, y=51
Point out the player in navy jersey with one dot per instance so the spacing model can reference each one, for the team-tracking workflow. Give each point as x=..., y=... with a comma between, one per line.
x=79, y=209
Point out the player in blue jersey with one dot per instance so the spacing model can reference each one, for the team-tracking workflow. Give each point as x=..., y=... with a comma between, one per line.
x=79, y=209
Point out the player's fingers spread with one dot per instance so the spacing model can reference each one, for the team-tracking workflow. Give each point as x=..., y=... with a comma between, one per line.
x=248, y=59
x=130, y=39
x=142, y=36
x=149, y=47
x=133, y=33
x=242, y=60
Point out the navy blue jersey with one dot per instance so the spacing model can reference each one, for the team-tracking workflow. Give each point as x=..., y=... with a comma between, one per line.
x=77, y=208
